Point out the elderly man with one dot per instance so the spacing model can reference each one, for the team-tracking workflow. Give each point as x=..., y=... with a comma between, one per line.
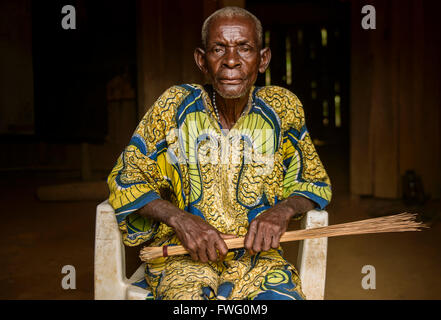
x=222, y=160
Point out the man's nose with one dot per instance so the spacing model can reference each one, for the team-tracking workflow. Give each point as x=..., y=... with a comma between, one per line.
x=231, y=58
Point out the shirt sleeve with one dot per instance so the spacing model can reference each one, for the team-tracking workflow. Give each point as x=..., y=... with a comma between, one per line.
x=136, y=179
x=305, y=174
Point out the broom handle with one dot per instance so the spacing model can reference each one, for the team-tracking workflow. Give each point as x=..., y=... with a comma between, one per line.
x=234, y=243
x=350, y=228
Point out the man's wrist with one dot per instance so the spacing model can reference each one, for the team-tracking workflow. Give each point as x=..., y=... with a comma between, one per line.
x=297, y=205
x=288, y=209
x=174, y=218
x=162, y=211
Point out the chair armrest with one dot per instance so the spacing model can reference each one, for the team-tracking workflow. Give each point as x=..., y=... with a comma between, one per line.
x=311, y=260
x=110, y=268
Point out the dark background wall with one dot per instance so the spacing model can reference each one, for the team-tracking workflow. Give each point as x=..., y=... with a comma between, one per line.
x=395, y=98
x=70, y=99
x=74, y=90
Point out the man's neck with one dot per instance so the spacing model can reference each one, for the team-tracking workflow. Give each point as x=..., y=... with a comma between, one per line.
x=230, y=110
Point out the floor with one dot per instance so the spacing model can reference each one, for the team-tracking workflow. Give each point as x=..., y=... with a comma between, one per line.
x=40, y=237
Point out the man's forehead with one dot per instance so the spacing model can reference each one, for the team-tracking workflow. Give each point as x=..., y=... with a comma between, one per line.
x=242, y=27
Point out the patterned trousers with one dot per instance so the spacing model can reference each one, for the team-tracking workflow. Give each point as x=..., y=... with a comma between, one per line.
x=263, y=276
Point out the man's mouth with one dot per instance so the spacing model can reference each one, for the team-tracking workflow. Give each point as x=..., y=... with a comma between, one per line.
x=230, y=81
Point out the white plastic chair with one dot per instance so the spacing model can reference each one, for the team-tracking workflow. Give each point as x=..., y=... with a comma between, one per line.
x=111, y=282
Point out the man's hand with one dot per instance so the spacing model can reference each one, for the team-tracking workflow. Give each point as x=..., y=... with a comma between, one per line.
x=202, y=241
x=265, y=231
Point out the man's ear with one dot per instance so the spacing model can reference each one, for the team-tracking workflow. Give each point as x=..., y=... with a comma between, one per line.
x=199, y=58
x=265, y=58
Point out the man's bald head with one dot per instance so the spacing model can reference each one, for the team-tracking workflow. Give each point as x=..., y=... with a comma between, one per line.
x=230, y=12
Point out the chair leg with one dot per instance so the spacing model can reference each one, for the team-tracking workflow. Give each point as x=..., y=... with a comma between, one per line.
x=311, y=260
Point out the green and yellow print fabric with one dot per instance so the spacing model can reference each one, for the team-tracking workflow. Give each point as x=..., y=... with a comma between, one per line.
x=263, y=276
x=180, y=152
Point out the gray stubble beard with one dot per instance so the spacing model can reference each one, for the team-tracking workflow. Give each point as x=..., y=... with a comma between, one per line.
x=241, y=95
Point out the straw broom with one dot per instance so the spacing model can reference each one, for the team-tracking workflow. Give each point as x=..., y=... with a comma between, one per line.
x=395, y=223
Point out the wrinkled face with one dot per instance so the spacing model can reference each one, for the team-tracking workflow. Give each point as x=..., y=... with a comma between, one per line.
x=233, y=57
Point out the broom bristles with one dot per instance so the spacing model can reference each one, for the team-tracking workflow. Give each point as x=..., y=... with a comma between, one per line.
x=395, y=223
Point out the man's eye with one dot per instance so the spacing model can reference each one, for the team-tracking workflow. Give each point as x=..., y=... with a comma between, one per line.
x=218, y=50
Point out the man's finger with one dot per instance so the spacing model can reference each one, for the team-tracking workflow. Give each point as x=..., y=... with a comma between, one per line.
x=222, y=249
x=275, y=241
x=191, y=249
x=228, y=236
x=258, y=240
x=202, y=253
x=266, y=243
x=212, y=253
x=194, y=256
x=249, y=237
x=222, y=246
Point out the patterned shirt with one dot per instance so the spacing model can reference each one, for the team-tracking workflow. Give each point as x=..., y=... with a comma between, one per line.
x=179, y=152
